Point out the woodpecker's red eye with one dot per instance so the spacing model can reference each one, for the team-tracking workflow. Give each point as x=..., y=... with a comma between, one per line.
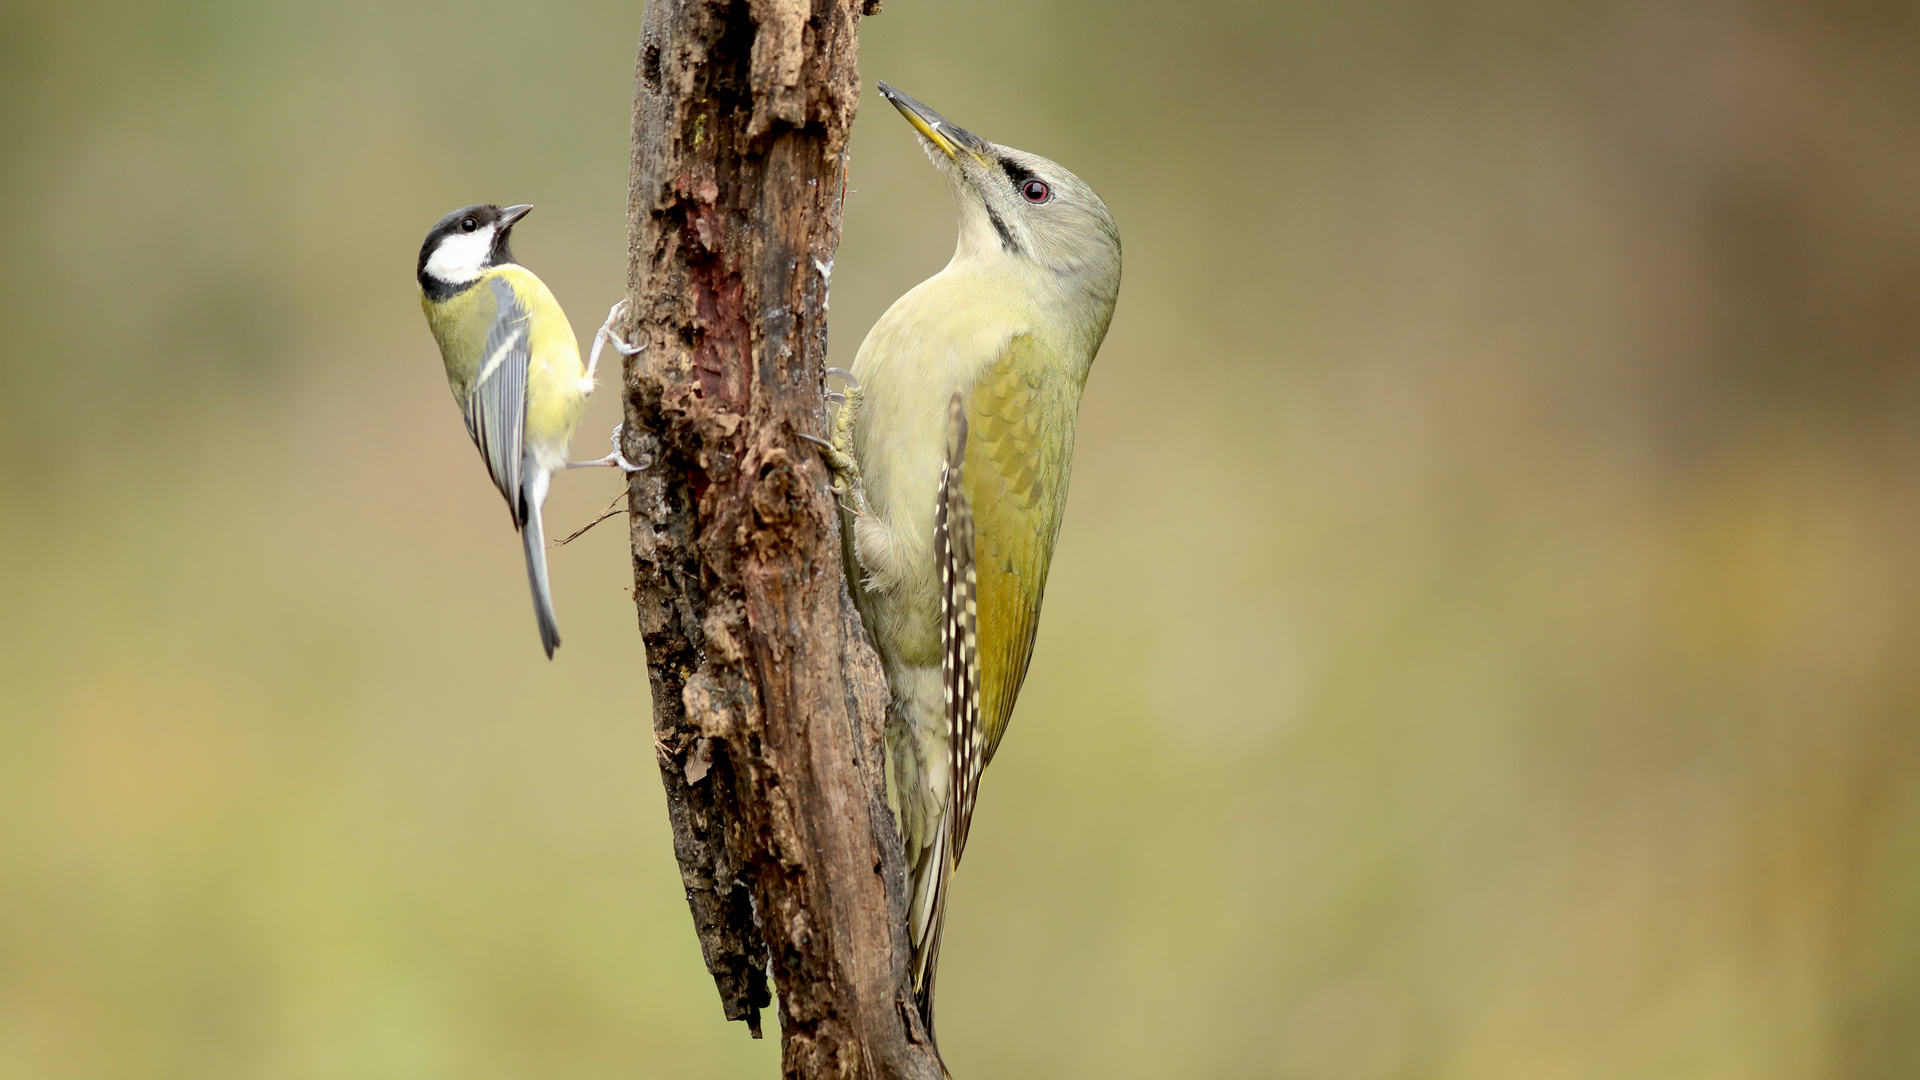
x=1036, y=191
x=468, y=225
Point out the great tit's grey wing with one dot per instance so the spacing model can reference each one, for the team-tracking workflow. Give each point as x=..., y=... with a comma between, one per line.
x=496, y=408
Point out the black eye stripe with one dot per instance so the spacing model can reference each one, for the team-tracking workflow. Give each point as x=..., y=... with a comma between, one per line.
x=1016, y=172
x=1025, y=182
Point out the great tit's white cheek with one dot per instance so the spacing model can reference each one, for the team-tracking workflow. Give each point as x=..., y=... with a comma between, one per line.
x=461, y=256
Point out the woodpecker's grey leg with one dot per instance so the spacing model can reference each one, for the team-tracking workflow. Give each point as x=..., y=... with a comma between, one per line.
x=613, y=460
x=837, y=449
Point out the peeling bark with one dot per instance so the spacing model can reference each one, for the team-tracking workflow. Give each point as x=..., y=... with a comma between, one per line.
x=768, y=702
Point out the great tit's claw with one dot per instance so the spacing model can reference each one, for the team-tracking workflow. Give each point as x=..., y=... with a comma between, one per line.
x=613, y=460
x=614, y=315
x=852, y=383
x=606, y=334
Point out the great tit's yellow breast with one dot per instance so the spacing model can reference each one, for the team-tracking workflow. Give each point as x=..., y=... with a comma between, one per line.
x=557, y=387
x=460, y=324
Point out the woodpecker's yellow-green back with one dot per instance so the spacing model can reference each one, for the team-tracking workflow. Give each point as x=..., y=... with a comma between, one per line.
x=954, y=451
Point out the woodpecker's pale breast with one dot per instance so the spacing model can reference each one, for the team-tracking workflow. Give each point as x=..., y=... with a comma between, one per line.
x=935, y=341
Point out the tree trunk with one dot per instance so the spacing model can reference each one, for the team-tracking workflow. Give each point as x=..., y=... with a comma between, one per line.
x=768, y=702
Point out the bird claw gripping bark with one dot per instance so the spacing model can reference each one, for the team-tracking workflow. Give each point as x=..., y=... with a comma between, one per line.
x=837, y=449
x=617, y=459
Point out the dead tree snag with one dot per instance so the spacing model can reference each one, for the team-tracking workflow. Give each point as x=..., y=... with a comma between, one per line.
x=768, y=703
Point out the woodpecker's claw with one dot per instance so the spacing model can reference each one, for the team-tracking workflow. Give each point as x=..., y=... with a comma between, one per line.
x=615, y=459
x=838, y=450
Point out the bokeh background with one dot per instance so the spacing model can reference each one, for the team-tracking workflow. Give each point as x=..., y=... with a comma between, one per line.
x=1482, y=645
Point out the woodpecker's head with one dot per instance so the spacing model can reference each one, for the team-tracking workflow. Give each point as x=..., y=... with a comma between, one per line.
x=1018, y=205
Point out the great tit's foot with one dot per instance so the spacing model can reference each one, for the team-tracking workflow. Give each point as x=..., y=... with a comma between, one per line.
x=614, y=460
x=605, y=335
x=614, y=315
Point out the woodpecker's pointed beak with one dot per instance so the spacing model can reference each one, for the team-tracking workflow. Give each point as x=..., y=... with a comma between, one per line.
x=512, y=214
x=950, y=137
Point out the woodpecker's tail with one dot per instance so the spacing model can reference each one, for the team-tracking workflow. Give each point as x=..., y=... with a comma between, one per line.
x=929, y=917
x=534, y=536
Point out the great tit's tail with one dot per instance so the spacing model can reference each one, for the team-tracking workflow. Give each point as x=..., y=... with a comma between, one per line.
x=534, y=496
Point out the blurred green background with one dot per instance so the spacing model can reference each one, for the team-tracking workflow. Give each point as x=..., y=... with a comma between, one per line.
x=1482, y=644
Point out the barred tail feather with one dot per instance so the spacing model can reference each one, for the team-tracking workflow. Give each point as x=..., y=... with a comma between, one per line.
x=960, y=678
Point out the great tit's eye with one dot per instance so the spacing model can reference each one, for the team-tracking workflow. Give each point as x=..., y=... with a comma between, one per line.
x=468, y=224
x=1036, y=191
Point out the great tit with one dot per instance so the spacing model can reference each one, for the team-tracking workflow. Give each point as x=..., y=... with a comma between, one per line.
x=514, y=367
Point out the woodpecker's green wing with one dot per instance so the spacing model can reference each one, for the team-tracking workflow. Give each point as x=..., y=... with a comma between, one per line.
x=496, y=407
x=1018, y=451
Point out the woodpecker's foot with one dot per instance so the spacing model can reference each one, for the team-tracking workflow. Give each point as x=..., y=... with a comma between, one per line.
x=613, y=460
x=838, y=448
x=847, y=409
x=847, y=486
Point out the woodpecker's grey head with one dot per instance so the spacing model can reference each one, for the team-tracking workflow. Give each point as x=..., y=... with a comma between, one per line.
x=1019, y=205
x=466, y=243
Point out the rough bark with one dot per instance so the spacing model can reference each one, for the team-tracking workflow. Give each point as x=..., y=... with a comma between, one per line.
x=768, y=703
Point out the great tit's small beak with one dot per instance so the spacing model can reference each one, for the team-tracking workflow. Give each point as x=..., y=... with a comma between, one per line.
x=943, y=133
x=512, y=214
